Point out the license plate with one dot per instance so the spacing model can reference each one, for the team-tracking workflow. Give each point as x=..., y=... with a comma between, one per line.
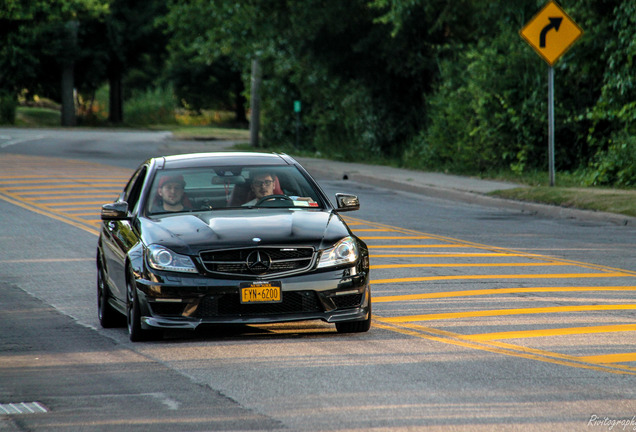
x=261, y=292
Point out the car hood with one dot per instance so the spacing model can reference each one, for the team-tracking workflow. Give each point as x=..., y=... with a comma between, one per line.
x=191, y=233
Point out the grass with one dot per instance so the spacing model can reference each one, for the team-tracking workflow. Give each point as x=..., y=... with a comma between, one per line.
x=620, y=201
x=210, y=133
x=37, y=117
x=539, y=178
x=569, y=192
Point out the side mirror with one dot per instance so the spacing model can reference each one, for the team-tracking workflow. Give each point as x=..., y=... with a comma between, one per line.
x=115, y=211
x=347, y=202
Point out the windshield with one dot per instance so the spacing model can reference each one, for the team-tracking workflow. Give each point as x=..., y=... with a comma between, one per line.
x=216, y=188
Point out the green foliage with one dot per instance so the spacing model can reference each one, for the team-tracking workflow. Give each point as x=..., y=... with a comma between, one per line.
x=200, y=86
x=37, y=117
x=151, y=107
x=33, y=42
x=206, y=71
x=8, y=105
x=487, y=110
x=435, y=84
x=612, y=120
x=615, y=166
x=47, y=10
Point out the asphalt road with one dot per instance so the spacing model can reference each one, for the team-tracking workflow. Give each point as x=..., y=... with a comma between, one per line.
x=485, y=318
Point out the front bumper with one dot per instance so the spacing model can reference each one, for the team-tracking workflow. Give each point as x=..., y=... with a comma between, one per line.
x=185, y=302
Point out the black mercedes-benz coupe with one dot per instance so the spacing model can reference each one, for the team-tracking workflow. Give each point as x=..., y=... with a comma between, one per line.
x=212, y=238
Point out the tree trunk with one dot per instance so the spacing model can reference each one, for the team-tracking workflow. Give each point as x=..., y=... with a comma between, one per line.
x=68, y=76
x=68, y=99
x=116, y=105
x=239, y=110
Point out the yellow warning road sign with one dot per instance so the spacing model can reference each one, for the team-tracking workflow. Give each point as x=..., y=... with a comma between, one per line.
x=551, y=32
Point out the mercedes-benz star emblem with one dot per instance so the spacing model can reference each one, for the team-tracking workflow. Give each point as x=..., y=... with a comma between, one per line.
x=258, y=262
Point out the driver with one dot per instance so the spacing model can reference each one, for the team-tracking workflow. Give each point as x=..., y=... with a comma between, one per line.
x=262, y=186
x=171, y=195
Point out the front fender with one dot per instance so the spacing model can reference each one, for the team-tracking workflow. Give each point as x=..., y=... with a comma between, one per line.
x=136, y=260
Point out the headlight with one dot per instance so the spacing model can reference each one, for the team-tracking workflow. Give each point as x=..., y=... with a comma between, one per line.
x=161, y=258
x=344, y=252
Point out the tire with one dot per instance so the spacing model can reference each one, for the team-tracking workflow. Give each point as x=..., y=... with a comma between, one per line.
x=355, y=326
x=107, y=315
x=133, y=314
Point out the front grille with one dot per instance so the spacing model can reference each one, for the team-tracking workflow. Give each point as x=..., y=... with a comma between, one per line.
x=229, y=305
x=262, y=261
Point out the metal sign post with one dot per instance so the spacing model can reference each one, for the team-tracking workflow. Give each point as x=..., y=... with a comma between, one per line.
x=551, y=33
x=551, y=123
x=297, y=108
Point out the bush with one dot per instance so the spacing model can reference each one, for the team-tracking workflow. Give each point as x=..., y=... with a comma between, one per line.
x=481, y=116
x=351, y=129
x=8, y=107
x=151, y=107
x=617, y=165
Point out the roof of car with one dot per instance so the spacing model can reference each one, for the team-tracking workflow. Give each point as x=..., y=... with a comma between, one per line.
x=222, y=158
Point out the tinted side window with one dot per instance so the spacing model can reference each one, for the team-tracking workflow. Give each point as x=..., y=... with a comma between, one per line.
x=133, y=189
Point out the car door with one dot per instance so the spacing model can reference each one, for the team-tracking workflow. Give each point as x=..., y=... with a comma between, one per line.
x=119, y=236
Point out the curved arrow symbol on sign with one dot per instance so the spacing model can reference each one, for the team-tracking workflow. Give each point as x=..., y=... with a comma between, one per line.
x=555, y=23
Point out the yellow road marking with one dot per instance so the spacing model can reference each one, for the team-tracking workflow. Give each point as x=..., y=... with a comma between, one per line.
x=512, y=276
x=395, y=237
x=374, y=230
x=75, y=203
x=417, y=246
x=522, y=334
x=505, y=312
x=610, y=358
x=497, y=291
x=499, y=348
x=534, y=264
x=87, y=191
x=56, y=180
x=446, y=337
x=79, y=196
x=505, y=345
x=443, y=255
x=76, y=222
x=45, y=260
x=455, y=243
x=17, y=189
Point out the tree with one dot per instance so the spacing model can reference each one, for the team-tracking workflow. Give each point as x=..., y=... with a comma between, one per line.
x=331, y=55
x=26, y=43
x=134, y=40
x=200, y=85
x=209, y=70
x=612, y=120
